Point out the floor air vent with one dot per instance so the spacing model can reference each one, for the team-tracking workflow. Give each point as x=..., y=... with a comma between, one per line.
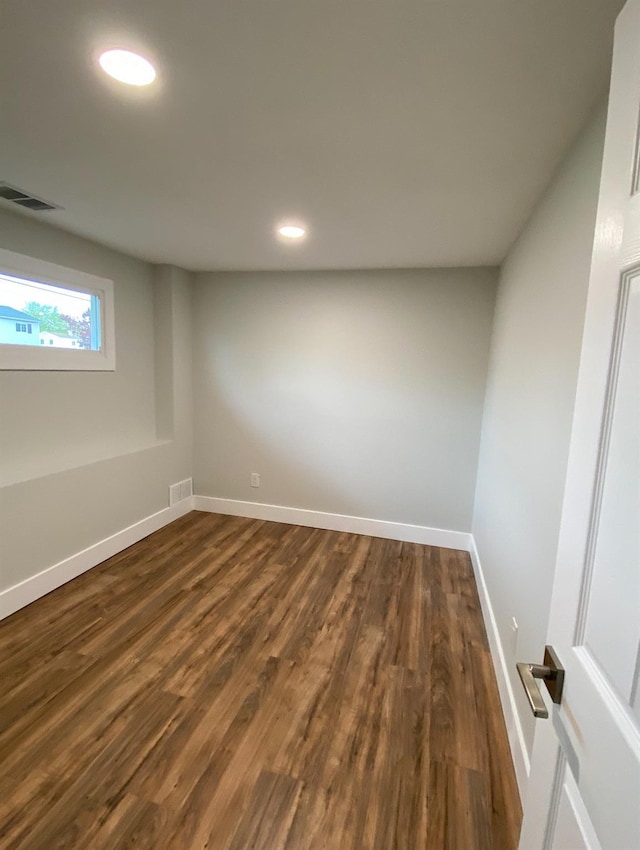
x=180, y=491
x=24, y=199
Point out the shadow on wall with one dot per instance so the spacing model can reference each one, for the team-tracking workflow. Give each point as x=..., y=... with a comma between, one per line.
x=307, y=432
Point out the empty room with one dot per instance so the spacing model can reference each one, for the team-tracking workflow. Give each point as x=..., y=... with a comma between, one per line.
x=319, y=425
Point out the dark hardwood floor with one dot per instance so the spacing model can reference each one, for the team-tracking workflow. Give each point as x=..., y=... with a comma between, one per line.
x=231, y=683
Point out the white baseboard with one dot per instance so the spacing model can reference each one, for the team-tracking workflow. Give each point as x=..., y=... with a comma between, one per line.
x=514, y=727
x=336, y=522
x=27, y=591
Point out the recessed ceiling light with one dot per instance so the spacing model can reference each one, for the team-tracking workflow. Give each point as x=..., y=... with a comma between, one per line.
x=292, y=231
x=127, y=67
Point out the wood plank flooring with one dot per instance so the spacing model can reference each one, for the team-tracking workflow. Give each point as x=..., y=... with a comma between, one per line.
x=231, y=684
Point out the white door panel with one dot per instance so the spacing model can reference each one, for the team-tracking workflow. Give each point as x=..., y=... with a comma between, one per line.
x=573, y=829
x=612, y=573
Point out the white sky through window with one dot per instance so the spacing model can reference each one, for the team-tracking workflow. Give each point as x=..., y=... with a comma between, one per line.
x=17, y=293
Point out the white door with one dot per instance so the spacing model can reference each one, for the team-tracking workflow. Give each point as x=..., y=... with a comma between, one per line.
x=584, y=787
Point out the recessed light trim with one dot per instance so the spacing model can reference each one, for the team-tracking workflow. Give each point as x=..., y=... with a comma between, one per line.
x=292, y=231
x=127, y=67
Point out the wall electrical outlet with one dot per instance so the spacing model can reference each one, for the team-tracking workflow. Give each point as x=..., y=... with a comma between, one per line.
x=514, y=636
x=255, y=479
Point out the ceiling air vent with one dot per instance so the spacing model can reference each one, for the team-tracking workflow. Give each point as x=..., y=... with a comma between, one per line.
x=24, y=199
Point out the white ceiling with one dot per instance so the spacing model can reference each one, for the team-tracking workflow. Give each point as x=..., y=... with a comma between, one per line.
x=405, y=132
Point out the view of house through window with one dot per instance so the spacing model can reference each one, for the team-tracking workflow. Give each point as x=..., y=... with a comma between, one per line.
x=33, y=313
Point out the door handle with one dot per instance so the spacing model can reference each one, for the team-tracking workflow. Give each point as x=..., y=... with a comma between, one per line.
x=551, y=672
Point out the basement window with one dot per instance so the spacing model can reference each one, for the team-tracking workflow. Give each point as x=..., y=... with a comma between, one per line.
x=53, y=318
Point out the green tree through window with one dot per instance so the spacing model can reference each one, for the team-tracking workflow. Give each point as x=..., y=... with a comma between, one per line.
x=50, y=318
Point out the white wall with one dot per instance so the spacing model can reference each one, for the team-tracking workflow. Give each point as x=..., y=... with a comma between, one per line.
x=84, y=454
x=355, y=393
x=531, y=387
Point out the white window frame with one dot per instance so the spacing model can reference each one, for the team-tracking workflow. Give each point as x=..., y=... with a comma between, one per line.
x=37, y=358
